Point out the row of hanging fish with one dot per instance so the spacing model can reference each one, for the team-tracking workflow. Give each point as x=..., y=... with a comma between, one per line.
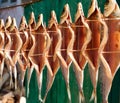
x=94, y=40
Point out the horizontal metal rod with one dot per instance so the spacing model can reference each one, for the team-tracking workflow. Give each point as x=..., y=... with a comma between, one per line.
x=22, y=4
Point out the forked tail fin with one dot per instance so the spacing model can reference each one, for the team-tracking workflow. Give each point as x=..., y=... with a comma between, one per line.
x=69, y=94
x=94, y=96
x=81, y=97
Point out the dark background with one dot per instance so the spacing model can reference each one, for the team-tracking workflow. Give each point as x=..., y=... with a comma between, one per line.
x=58, y=93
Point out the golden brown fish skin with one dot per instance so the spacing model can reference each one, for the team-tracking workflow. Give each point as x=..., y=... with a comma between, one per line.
x=37, y=53
x=53, y=61
x=26, y=50
x=55, y=38
x=110, y=55
x=92, y=48
x=28, y=46
x=65, y=60
x=39, y=36
x=7, y=46
x=22, y=58
x=66, y=35
x=92, y=52
x=39, y=49
x=80, y=34
x=113, y=45
x=67, y=45
x=82, y=37
x=16, y=44
x=24, y=36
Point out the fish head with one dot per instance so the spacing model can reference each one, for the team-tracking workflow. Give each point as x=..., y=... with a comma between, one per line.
x=23, y=24
x=66, y=16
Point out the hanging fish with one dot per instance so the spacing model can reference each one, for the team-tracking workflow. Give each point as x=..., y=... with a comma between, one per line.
x=37, y=54
x=67, y=45
x=110, y=57
x=7, y=46
x=28, y=46
x=16, y=44
x=98, y=28
x=82, y=38
x=23, y=62
x=54, y=50
x=2, y=30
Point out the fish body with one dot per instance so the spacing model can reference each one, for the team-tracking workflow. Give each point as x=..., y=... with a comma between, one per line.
x=66, y=46
x=110, y=56
x=82, y=38
x=54, y=50
x=95, y=46
x=38, y=51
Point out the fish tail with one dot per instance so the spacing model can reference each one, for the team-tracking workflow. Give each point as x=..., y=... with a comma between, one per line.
x=11, y=80
x=27, y=91
x=1, y=69
x=94, y=96
x=41, y=98
x=40, y=77
x=106, y=78
x=69, y=94
x=30, y=70
x=44, y=99
x=81, y=97
x=50, y=80
x=15, y=76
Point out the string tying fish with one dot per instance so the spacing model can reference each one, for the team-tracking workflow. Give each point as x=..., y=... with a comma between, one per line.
x=78, y=26
x=35, y=56
x=66, y=50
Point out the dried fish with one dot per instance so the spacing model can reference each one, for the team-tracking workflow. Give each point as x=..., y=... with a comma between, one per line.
x=54, y=50
x=28, y=46
x=86, y=40
x=82, y=38
x=16, y=44
x=7, y=45
x=98, y=29
x=22, y=58
x=37, y=54
x=110, y=57
x=67, y=45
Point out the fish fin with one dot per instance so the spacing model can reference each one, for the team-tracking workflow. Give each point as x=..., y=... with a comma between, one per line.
x=50, y=79
x=40, y=77
x=11, y=80
x=94, y=96
x=94, y=79
x=81, y=97
x=30, y=70
x=69, y=94
x=79, y=77
x=106, y=78
x=65, y=73
x=15, y=76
